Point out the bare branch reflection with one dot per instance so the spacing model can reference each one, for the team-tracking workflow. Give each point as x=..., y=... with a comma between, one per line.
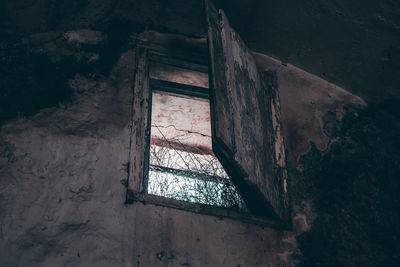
x=188, y=173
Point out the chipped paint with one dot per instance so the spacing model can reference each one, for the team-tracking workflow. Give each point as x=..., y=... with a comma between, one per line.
x=85, y=36
x=251, y=101
x=305, y=99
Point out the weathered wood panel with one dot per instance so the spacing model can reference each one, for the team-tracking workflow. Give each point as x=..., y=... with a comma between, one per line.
x=140, y=134
x=246, y=120
x=224, y=132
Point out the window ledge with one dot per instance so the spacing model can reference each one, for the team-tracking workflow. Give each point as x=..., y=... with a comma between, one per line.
x=218, y=212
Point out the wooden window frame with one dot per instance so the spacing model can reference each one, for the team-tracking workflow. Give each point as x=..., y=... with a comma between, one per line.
x=139, y=152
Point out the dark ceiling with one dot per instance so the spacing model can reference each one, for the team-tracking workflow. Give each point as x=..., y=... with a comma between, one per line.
x=355, y=44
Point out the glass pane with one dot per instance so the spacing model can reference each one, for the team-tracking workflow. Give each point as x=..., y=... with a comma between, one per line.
x=182, y=165
x=174, y=74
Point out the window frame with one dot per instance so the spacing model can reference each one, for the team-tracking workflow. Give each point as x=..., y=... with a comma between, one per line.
x=139, y=152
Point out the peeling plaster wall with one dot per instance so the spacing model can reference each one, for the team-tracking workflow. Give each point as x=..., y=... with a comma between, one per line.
x=343, y=171
x=312, y=110
x=63, y=172
x=307, y=102
x=62, y=189
x=61, y=197
x=65, y=95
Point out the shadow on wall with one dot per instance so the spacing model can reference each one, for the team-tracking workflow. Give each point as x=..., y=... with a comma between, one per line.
x=37, y=60
x=354, y=188
x=37, y=69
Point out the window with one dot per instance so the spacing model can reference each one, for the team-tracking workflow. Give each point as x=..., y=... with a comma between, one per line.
x=178, y=162
x=182, y=165
x=245, y=122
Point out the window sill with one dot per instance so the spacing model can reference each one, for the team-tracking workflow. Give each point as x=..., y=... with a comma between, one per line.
x=218, y=212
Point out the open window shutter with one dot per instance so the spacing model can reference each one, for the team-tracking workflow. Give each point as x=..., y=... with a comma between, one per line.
x=246, y=120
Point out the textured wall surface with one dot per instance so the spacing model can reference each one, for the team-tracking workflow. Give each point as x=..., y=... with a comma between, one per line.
x=62, y=186
x=62, y=192
x=311, y=107
x=66, y=77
